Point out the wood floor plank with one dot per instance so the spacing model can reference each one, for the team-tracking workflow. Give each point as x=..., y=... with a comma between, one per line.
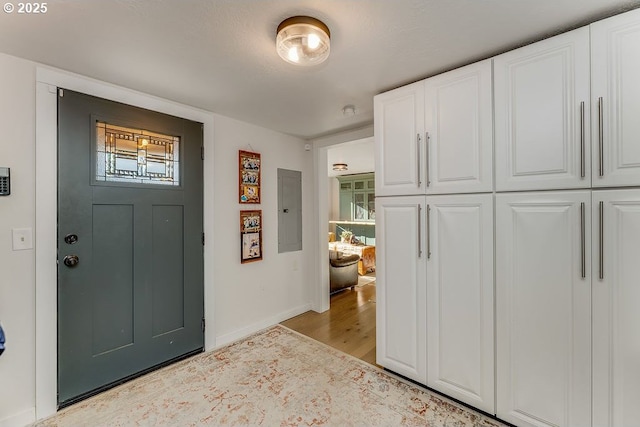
x=349, y=325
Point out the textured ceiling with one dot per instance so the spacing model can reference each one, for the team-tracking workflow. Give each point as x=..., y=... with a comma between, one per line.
x=219, y=55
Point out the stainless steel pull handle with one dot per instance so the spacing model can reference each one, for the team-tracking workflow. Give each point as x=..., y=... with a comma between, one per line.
x=583, y=243
x=428, y=232
x=427, y=137
x=582, y=153
x=419, y=231
x=601, y=232
x=418, y=141
x=601, y=136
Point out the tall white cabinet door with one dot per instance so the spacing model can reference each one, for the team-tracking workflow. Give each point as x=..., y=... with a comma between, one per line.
x=459, y=125
x=616, y=312
x=401, y=340
x=542, y=114
x=615, y=62
x=543, y=308
x=399, y=139
x=460, y=298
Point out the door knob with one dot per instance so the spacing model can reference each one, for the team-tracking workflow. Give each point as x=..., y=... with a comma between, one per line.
x=71, y=260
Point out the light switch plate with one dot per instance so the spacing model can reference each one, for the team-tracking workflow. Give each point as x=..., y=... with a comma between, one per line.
x=22, y=239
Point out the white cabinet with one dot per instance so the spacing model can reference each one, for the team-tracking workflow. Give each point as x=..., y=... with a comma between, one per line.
x=565, y=117
x=543, y=308
x=616, y=313
x=399, y=138
x=460, y=324
x=401, y=340
x=459, y=130
x=615, y=67
x=542, y=115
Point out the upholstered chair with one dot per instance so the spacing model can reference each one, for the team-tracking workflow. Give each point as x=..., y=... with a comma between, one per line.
x=343, y=271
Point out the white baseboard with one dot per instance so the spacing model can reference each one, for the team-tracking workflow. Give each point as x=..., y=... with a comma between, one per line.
x=21, y=419
x=225, y=339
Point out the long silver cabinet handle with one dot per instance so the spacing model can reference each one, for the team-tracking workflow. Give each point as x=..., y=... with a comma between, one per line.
x=582, y=147
x=427, y=137
x=583, y=243
x=601, y=136
x=428, y=232
x=601, y=232
x=419, y=231
x=418, y=143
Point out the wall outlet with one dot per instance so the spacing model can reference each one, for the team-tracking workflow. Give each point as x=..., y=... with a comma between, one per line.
x=22, y=239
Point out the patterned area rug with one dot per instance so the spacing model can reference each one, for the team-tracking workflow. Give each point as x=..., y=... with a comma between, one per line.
x=276, y=377
x=363, y=280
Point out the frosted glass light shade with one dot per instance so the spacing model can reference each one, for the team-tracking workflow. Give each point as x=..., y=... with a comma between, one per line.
x=302, y=40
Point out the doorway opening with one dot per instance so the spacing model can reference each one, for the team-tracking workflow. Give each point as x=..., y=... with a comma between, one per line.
x=347, y=251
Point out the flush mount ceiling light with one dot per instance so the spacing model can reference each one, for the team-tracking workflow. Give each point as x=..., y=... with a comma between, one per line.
x=339, y=166
x=302, y=40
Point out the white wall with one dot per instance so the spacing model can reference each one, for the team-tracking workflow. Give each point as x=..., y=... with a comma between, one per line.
x=359, y=155
x=254, y=295
x=247, y=297
x=17, y=268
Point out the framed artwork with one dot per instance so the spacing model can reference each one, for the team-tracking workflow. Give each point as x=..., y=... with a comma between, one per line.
x=250, y=236
x=249, y=177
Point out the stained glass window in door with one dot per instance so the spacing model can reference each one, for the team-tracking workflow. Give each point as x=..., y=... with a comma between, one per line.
x=130, y=155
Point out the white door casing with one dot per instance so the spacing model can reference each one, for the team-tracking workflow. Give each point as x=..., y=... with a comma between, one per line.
x=47, y=80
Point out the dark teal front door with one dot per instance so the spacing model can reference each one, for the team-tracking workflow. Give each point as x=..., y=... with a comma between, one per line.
x=130, y=255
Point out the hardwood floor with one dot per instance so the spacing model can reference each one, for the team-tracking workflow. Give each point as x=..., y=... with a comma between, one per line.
x=349, y=325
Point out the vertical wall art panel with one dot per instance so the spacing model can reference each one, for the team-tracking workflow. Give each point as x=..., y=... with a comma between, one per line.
x=250, y=236
x=249, y=177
